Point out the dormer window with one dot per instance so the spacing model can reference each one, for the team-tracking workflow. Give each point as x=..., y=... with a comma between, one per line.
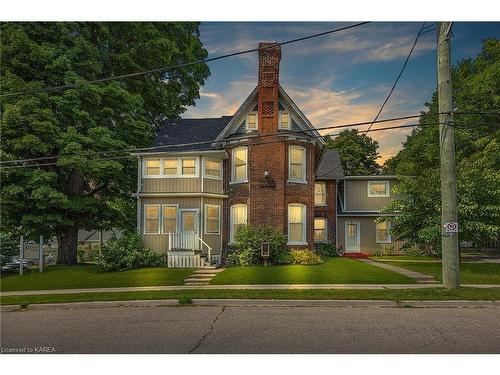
x=252, y=121
x=284, y=120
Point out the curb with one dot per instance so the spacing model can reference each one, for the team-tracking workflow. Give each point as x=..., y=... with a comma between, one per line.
x=255, y=303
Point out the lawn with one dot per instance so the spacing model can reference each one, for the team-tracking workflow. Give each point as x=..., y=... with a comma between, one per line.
x=486, y=294
x=470, y=273
x=87, y=276
x=333, y=271
x=399, y=258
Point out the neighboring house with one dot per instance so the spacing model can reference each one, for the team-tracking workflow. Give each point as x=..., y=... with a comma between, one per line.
x=360, y=200
x=266, y=165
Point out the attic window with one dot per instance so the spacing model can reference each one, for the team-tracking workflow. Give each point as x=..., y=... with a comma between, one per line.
x=252, y=121
x=284, y=120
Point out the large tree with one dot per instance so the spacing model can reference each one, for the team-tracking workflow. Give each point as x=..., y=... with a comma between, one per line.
x=93, y=189
x=476, y=85
x=358, y=152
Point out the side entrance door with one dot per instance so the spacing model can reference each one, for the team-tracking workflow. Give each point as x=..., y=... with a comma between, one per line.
x=352, y=237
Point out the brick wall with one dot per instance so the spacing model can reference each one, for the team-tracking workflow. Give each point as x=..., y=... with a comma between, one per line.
x=329, y=211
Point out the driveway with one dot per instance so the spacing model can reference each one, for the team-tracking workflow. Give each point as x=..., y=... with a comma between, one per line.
x=253, y=329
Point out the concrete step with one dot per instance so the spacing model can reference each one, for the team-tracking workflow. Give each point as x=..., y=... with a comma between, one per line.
x=208, y=271
x=207, y=279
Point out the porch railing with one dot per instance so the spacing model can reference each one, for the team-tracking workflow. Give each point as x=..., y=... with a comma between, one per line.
x=188, y=241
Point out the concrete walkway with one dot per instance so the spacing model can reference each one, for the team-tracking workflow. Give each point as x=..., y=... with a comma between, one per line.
x=417, y=276
x=241, y=287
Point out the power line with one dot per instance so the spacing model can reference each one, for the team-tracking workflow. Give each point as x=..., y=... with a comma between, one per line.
x=240, y=140
x=183, y=65
x=289, y=132
x=398, y=77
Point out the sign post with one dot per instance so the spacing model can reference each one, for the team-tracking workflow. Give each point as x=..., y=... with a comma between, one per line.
x=265, y=251
x=21, y=255
x=40, y=255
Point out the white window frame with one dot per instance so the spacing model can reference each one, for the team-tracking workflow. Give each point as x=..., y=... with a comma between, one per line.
x=205, y=175
x=304, y=159
x=326, y=229
x=231, y=220
x=304, y=226
x=233, y=165
x=256, y=121
x=176, y=216
x=206, y=217
x=389, y=237
x=280, y=113
x=146, y=217
x=179, y=168
x=145, y=167
x=379, y=182
x=316, y=204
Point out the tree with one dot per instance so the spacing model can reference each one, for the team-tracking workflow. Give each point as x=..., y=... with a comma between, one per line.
x=92, y=190
x=475, y=90
x=358, y=152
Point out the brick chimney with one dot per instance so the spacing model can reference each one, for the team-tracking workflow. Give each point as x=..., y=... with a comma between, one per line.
x=269, y=67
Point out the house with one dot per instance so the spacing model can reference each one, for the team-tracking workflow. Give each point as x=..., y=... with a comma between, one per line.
x=265, y=165
x=360, y=201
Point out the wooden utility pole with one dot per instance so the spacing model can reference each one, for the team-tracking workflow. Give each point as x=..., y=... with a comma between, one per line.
x=449, y=228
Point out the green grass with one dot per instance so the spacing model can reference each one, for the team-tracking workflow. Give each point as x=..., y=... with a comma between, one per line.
x=333, y=271
x=406, y=258
x=470, y=273
x=487, y=294
x=87, y=276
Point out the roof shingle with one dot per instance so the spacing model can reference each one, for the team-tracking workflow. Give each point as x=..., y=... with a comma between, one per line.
x=329, y=166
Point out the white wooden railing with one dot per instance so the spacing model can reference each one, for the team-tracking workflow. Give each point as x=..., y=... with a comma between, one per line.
x=181, y=247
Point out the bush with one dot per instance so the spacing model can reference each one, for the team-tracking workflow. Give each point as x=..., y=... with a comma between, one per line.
x=305, y=256
x=326, y=250
x=9, y=247
x=127, y=252
x=81, y=255
x=284, y=257
x=247, y=245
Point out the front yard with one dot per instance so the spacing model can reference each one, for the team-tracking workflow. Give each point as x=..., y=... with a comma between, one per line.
x=87, y=276
x=333, y=271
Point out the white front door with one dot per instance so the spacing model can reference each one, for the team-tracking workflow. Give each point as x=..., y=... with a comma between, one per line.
x=352, y=237
x=189, y=220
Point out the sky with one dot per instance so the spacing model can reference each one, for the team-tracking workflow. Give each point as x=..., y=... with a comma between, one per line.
x=338, y=78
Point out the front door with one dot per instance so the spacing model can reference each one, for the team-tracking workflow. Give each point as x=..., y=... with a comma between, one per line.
x=189, y=221
x=352, y=244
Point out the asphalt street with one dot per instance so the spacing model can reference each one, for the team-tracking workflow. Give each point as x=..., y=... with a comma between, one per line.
x=252, y=329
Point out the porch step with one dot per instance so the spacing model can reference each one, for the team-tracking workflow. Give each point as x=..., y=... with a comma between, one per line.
x=202, y=276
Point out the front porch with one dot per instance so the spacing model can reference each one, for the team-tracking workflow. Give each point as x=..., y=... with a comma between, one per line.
x=188, y=250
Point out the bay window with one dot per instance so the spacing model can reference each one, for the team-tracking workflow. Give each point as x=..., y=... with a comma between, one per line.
x=170, y=167
x=153, y=167
x=296, y=224
x=213, y=168
x=296, y=164
x=188, y=166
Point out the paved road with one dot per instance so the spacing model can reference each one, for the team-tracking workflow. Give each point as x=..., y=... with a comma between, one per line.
x=254, y=329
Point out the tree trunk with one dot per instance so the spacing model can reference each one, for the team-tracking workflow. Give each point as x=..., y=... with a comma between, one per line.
x=67, y=239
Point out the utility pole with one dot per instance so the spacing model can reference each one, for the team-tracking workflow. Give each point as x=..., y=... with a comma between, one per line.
x=449, y=228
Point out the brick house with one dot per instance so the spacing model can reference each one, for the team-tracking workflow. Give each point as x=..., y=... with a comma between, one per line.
x=265, y=165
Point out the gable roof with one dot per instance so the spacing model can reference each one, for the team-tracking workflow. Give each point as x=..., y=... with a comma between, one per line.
x=329, y=166
x=191, y=130
x=251, y=100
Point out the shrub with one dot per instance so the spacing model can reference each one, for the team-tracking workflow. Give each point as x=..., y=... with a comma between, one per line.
x=127, y=252
x=9, y=247
x=326, y=250
x=247, y=245
x=284, y=257
x=305, y=256
x=81, y=255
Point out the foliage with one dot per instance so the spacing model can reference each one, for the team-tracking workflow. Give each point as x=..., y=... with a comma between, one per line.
x=284, y=257
x=9, y=247
x=185, y=300
x=305, y=256
x=127, y=252
x=247, y=244
x=475, y=89
x=87, y=191
x=82, y=256
x=326, y=250
x=358, y=152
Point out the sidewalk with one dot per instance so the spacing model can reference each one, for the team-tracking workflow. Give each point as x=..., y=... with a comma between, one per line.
x=417, y=276
x=242, y=287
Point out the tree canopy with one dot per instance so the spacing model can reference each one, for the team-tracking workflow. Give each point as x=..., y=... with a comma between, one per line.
x=476, y=99
x=358, y=152
x=92, y=190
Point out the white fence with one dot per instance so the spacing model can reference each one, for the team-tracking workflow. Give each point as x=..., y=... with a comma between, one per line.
x=184, y=259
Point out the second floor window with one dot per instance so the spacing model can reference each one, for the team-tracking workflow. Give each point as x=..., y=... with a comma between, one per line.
x=188, y=166
x=170, y=167
x=252, y=122
x=297, y=164
x=153, y=167
x=378, y=188
x=320, y=194
x=239, y=163
x=213, y=168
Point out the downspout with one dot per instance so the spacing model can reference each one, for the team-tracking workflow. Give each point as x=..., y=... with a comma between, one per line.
x=202, y=201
